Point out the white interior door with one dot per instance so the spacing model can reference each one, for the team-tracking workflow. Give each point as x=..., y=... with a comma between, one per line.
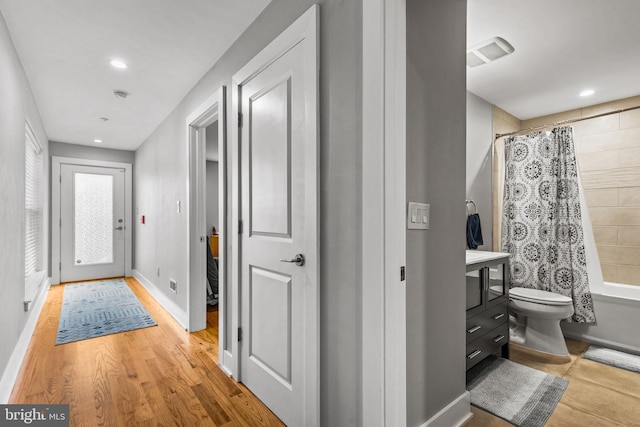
x=279, y=348
x=92, y=222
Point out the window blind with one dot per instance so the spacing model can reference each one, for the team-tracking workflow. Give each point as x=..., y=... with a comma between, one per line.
x=33, y=213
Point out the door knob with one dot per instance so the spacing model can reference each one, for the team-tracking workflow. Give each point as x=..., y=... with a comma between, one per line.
x=119, y=228
x=298, y=260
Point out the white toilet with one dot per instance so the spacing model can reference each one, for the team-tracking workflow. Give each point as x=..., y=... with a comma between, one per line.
x=536, y=325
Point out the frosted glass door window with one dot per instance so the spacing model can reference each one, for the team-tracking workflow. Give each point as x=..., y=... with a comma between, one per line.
x=93, y=218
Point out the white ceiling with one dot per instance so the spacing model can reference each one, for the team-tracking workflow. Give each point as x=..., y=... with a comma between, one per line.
x=65, y=47
x=561, y=48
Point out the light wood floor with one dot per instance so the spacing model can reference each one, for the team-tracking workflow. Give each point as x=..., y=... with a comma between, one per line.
x=597, y=396
x=157, y=376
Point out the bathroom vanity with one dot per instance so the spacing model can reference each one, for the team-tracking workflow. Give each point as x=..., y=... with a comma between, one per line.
x=487, y=285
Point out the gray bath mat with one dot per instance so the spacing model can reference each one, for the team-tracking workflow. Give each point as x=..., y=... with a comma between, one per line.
x=518, y=394
x=615, y=358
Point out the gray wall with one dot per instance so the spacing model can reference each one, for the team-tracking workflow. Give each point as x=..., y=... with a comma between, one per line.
x=436, y=117
x=62, y=149
x=16, y=105
x=212, y=197
x=212, y=153
x=479, y=163
x=161, y=173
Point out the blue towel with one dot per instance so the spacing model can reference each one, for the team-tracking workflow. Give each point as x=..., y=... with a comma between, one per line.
x=474, y=231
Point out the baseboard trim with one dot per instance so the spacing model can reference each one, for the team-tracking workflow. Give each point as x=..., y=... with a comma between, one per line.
x=170, y=306
x=225, y=370
x=602, y=342
x=8, y=380
x=455, y=413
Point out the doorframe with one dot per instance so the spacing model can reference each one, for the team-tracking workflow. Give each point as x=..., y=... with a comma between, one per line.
x=212, y=109
x=56, y=165
x=384, y=337
x=305, y=28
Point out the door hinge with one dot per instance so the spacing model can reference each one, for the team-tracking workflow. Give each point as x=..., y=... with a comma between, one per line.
x=240, y=227
x=239, y=334
x=60, y=266
x=239, y=119
x=60, y=177
x=402, y=274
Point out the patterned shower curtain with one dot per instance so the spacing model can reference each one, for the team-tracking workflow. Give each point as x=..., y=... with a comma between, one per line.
x=542, y=220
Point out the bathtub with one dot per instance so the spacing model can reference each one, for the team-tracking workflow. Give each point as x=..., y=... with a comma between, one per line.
x=616, y=306
x=617, y=309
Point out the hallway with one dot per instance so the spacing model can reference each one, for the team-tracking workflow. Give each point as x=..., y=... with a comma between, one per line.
x=154, y=376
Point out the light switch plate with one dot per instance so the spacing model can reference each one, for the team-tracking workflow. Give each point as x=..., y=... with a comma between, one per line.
x=418, y=216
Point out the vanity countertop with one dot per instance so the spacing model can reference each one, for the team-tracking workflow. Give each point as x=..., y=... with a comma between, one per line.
x=474, y=257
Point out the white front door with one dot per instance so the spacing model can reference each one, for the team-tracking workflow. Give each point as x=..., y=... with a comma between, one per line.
x=279, y=163
x=92, y=222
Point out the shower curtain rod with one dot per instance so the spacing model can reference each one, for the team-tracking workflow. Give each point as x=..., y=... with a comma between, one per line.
x=566, y=122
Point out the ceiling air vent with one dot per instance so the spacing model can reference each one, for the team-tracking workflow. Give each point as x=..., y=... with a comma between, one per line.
x=120, y=93
x=488, y=51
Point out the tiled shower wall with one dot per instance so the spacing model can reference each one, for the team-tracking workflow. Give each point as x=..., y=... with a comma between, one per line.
x=608, y=151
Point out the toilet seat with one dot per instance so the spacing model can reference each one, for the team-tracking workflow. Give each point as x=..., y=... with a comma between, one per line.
x=539, y=297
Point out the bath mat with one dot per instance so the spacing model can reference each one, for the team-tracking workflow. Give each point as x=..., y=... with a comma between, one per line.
x=615, y=358
x=518, y=394
x=95, y=309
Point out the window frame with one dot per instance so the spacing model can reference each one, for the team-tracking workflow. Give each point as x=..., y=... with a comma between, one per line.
x=33, y=215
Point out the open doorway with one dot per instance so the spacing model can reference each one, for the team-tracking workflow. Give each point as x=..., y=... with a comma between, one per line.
x=212, y=227
x=207, y=208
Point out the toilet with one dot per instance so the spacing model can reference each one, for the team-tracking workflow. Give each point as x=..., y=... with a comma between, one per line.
x=536, y=324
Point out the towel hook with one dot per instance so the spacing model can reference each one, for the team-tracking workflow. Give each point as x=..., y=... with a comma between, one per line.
x=471, y=202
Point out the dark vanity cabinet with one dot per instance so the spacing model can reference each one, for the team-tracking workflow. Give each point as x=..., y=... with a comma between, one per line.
x=487, y=283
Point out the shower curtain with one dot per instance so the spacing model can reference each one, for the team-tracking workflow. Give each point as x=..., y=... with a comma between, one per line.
x=542, y=218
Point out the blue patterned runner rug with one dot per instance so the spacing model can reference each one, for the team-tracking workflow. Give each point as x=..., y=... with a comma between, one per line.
x=95, y=309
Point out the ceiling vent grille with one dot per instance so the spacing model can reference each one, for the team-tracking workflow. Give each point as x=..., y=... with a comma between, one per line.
x=488, y=51
x=120, y=93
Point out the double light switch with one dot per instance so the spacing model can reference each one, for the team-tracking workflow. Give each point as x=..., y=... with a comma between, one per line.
x=418, y=216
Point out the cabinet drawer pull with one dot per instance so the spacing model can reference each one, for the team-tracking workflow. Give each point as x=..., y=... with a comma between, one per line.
x=498, y=338
x=474, y=329
x=497, y=316
x=474, y=354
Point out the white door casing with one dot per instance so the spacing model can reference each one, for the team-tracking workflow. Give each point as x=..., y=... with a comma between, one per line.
x=92, y=226
x=211, y=110
x=277, y=96
x=384, y=340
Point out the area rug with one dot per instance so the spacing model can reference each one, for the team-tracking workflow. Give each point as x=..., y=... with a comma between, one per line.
x=615, y=358
x=518, y=394
x=95, y=309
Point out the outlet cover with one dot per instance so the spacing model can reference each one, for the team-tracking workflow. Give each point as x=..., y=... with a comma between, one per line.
x=173, y=285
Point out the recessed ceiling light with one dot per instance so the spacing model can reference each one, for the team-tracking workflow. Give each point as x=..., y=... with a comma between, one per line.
x=97, y=141
x=587, y=92
x=118, y=63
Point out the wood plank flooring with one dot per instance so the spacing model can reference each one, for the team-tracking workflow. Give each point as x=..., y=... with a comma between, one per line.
x=157, y=376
